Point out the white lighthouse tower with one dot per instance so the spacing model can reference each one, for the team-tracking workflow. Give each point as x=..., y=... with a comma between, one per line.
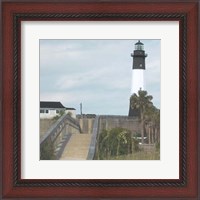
x=138, y=69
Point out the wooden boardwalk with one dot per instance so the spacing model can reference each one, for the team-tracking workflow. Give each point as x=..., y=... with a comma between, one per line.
x=77, y=148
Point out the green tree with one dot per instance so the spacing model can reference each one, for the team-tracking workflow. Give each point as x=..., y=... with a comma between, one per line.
x=141, y=101
x=61, y=113
x=156, y=125
x=115, y=142
x=152, y=119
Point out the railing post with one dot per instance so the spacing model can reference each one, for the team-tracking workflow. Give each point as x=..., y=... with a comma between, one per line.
x=93, y=143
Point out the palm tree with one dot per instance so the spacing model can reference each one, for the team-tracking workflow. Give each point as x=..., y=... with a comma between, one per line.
x=156, y=124
x=142, y=102
x=152, y=119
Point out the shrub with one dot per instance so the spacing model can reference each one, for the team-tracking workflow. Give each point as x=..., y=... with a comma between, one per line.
x=115, y=142
x=157, y=146
x=61, y=113
x=47, y=151
x=70, y=114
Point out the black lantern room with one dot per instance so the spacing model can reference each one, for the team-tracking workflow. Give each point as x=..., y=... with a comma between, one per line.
x=139, y=56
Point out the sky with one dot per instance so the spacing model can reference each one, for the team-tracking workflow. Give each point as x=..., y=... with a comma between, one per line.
x=96, y=73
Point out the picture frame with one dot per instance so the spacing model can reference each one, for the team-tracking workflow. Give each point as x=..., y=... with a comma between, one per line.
x=186, y=187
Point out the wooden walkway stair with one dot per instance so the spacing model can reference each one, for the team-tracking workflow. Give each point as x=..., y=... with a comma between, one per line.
x=77, y=148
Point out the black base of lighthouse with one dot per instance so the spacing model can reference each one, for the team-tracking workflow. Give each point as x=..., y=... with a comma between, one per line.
x=133, y=112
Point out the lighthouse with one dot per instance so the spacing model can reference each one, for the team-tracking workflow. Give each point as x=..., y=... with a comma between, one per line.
x=138, y=69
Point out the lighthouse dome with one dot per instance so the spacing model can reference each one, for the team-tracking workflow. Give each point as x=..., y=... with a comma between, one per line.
x=139, y=45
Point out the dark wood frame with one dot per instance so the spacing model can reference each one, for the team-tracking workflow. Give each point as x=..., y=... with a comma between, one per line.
x=186, y=12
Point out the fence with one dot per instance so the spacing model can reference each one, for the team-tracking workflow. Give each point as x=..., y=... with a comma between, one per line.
x=58, y=133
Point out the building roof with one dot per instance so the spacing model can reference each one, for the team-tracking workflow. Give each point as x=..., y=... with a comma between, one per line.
x=53, y=104
x=70, y=109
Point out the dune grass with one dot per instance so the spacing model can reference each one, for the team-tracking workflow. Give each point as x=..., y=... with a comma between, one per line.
x=140, y=155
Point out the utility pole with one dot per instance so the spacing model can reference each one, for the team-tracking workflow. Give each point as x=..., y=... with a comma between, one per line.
x=81, y=109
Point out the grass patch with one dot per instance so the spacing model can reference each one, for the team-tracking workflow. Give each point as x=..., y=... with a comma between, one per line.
x=140, y=155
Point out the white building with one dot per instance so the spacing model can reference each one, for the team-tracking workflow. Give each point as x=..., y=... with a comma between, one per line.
x=50, y=109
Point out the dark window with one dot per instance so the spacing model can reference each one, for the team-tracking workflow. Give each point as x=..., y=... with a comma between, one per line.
x=47, y=111
x=41, y=111
x=57, y=111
